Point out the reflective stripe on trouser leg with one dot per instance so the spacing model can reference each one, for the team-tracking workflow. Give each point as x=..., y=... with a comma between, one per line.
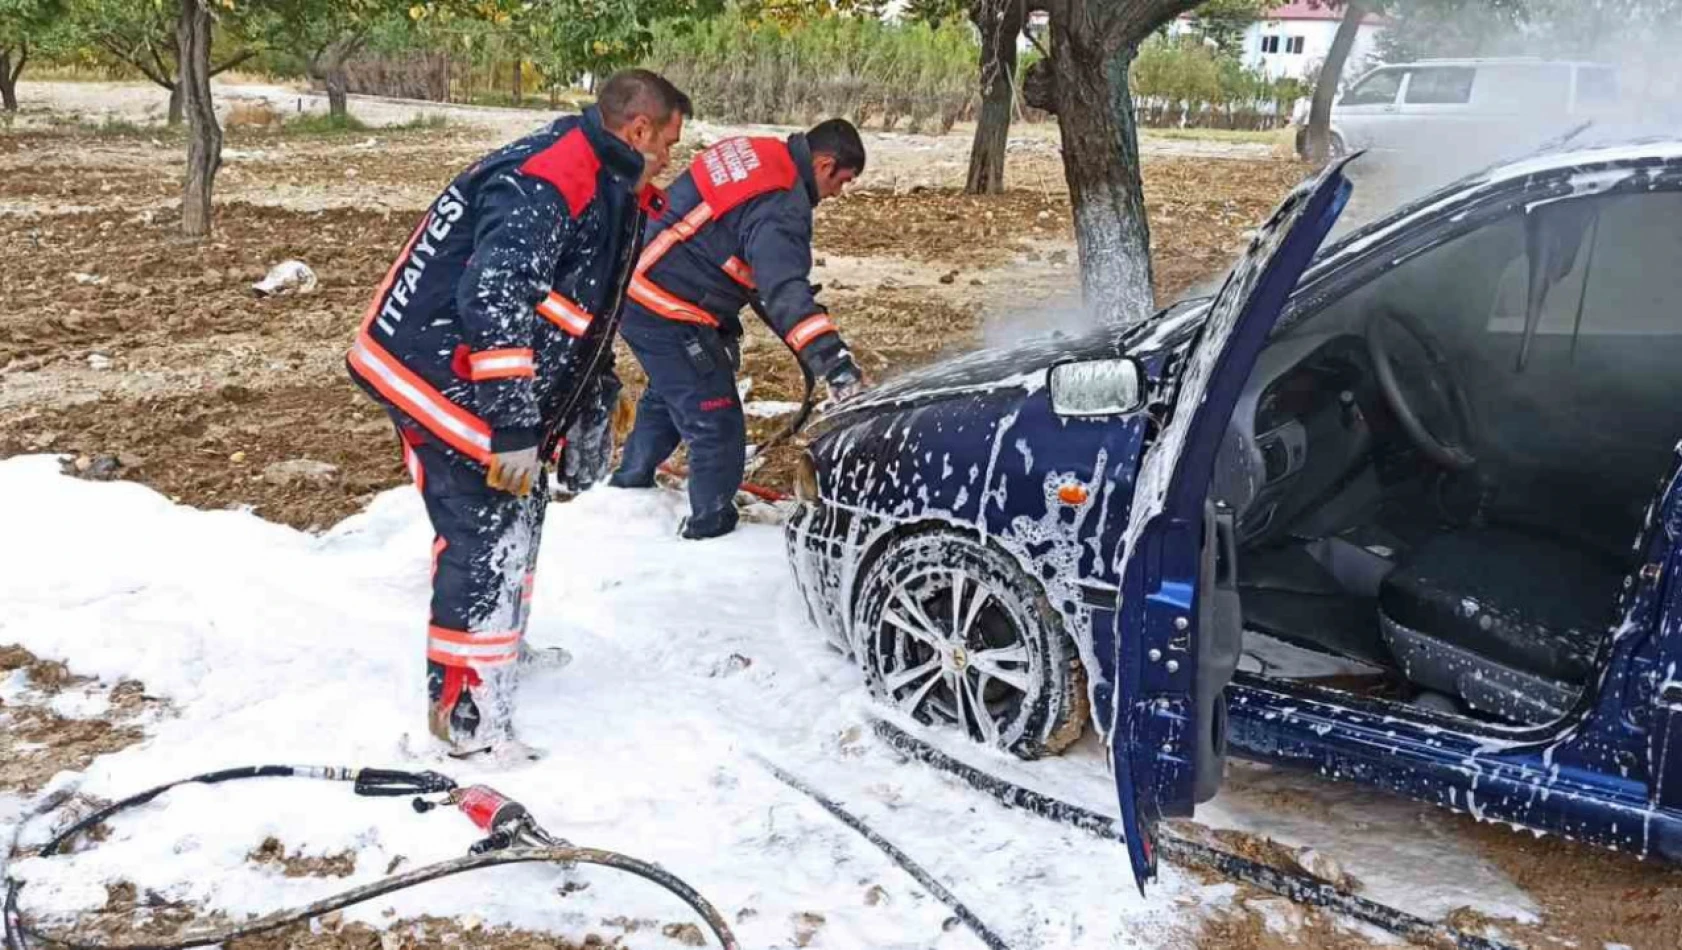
x=489, y=542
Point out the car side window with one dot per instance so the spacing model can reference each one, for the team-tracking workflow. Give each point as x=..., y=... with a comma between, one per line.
x=1623, y=279
x=1378, y=89
x=1525, y=87
x=1441, y=85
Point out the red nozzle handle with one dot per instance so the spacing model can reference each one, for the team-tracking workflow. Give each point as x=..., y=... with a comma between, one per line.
x=488, y=808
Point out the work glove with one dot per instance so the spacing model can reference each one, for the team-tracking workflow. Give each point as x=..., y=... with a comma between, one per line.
x=515, y=471
x=845, y=378
x=587, y=456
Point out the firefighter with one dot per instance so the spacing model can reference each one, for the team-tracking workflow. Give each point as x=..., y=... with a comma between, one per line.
x=737, y=230
x=489, y=340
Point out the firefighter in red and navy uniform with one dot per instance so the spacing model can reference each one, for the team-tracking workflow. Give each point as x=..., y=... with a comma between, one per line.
x=489, y=341
x=737, y=230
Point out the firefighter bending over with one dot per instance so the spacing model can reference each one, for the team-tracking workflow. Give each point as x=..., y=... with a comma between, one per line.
x=737, y=230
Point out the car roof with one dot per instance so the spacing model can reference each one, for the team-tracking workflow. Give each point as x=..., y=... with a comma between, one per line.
x=1504, y=61
x=1609, y=148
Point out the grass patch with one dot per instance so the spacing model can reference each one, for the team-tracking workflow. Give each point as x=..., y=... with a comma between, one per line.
x=1279, y=137
x=421, y=123
x=316, y=123
x=112, y=127
x=320, y=123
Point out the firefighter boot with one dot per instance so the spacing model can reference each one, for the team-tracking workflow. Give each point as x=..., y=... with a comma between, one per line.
x=471, y=710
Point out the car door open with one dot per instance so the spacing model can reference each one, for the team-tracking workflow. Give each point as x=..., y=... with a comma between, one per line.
x=1178, y=608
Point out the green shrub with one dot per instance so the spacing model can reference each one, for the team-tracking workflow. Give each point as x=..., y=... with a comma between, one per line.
x=738, y=69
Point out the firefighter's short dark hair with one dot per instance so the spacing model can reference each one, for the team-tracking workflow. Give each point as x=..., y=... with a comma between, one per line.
x=633, y=92
x=840, y=139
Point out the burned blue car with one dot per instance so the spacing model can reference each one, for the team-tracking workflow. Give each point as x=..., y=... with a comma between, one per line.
x=1405, y=511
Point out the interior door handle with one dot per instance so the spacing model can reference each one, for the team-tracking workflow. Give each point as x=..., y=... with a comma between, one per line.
x=1226, y=556
x=1670, y=696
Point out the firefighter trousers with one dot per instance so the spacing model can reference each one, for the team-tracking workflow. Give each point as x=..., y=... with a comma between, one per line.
x=484, y=557
x=691, y=397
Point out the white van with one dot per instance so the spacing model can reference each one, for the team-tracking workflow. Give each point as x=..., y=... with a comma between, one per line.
x=1479, y=109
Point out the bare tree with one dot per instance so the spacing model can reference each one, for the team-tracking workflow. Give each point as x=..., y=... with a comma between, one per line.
x=1000, y=23
x=204, y=135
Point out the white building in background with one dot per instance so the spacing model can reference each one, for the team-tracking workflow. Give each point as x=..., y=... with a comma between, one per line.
x=1294, y=38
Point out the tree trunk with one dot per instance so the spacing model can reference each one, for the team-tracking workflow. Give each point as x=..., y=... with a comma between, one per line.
x=8, y=82
x=1325, y=90
x=204, y=139
x=9, y=76
x=519, y=92
x=1000, y=23
x=329, y=67
x=1101, y=165
x=338, y=88
x=175, y=104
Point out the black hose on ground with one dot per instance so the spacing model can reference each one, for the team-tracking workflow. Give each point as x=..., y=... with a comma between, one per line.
x=1292, y=885
x=368, y=782
x=923, y=877
x=807, y=400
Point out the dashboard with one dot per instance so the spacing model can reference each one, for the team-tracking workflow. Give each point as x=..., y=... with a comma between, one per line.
x=1299, y=429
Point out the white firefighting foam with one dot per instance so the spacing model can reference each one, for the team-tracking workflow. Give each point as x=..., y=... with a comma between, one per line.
x=274, y=646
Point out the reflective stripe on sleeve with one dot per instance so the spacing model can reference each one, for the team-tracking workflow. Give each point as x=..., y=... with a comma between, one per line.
x=563, y=313
x=500, y=364
x=808, y=330
x=740, y=272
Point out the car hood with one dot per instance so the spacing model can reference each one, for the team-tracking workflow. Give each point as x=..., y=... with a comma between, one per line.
x=1022, y=366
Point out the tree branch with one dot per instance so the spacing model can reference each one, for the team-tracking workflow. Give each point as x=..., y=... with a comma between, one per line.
x=230, y=64
x=163, y=70
x=23, y=57
x=133, y=58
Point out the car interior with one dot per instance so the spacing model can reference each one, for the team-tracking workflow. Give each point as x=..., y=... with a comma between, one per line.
x=1438, y=479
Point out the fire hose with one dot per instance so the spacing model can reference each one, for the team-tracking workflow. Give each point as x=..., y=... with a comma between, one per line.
x=512, y=837
x=1295, y=886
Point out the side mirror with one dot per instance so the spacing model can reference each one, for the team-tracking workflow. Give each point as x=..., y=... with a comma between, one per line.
x=1108, y=387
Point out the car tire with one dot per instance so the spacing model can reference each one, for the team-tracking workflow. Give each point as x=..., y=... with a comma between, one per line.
x=1336, y=147
x=1008, y=646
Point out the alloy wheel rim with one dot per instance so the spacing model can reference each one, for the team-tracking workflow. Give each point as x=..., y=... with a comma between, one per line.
x=951, y=649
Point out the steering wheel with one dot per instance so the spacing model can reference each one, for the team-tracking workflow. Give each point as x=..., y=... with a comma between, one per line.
x=1432, y=374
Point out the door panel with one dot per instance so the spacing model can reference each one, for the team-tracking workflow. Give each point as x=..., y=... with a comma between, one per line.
x=1665, y=755
x=1158, y=722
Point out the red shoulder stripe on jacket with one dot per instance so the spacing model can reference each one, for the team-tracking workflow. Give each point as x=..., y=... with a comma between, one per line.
x=571, y=166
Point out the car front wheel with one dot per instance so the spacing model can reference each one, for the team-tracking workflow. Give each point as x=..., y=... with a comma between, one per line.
x=954, y=633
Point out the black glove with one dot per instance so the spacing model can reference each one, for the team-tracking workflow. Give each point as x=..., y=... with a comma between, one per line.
x=845, y=378
x=587, y=457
